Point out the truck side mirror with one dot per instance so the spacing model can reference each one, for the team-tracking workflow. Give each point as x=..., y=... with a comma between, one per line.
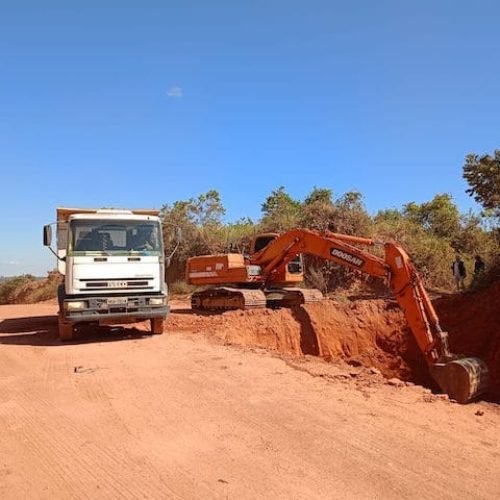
x=47, y=235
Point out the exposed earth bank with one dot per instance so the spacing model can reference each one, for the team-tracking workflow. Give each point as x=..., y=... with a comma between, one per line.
x=371, y=333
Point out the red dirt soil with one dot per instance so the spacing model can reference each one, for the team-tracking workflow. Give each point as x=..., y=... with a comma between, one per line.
x=117, y=414
x=370, y=333
x=473, y=322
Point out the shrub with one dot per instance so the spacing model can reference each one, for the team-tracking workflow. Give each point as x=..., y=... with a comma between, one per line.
x=27, y=289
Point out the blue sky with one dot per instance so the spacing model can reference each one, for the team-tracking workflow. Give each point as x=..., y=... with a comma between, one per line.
x=137, y=104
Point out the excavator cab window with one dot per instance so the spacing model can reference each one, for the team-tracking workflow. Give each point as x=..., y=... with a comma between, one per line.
x=296, y=266
x=262, y=241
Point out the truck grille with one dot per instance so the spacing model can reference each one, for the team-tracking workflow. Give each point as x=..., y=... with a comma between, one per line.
x=117, y=284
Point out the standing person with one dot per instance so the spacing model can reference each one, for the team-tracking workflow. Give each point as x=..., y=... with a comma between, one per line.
x=479, y=265
x=459, y=272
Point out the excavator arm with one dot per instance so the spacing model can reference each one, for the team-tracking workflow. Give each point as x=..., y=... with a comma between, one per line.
x=285, y=247
x=462, y=379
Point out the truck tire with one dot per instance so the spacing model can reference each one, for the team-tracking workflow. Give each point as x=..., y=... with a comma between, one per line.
x=157, y=325
x=65, y=329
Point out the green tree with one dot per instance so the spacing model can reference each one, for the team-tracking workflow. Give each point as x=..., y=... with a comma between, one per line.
x=482, y=173
x=201, y=222
x=346, y=215
x=207, y=209
x=389, y=215
x=351, y=216
x=430, y=253
x=440, y=215
x=239, y=235
x=473, y=239
x=318, y=211
x=280, y=211
x=432, y=232
x=319, y=195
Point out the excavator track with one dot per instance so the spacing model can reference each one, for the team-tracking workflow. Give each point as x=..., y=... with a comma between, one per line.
x=227, y=299
x=291, y=297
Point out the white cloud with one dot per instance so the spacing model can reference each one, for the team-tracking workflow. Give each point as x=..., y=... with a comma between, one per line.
x=175, y=92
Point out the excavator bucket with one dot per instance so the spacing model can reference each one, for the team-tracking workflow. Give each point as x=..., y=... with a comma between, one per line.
x=463, y=379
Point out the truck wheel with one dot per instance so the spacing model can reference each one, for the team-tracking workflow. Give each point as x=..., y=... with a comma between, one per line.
x=157, y=325
x=65, y=329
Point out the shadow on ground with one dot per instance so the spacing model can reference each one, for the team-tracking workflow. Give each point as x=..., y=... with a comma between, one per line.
x=189, y=311
x=42, y=331
x=309, y=343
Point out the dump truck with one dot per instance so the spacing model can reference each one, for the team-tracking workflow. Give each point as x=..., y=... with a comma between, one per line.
x=113, y=265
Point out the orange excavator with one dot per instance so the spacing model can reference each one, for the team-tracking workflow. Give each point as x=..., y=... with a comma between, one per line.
x=267, y=277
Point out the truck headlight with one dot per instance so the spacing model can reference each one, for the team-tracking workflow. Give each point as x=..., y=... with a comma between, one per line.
x=75, y=305
x=157, y=301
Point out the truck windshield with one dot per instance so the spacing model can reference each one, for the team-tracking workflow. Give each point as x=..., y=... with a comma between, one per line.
x=114, y=237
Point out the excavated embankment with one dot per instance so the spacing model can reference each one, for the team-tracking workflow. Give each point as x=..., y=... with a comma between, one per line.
x=371, y=333
x=365, y=332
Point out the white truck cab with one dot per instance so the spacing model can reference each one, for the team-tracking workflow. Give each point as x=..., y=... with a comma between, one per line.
x=113, y=265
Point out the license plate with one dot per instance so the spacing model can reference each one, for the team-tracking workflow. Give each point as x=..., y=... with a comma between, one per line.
x=117, y=301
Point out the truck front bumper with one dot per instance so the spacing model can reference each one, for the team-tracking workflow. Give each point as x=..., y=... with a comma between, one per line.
x=87, y=309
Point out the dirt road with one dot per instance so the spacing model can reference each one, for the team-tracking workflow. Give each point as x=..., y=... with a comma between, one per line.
x=183, y=416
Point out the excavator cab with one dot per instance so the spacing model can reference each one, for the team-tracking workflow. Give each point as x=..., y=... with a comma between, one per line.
x=290, y=274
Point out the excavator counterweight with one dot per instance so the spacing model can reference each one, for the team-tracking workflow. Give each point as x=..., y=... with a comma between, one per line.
x=269, y=277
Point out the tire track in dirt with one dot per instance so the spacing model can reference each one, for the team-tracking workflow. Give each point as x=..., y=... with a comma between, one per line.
x=58, y=379
x=110, y=469
x=132, y=392
x=265, y=429
x=94, y=389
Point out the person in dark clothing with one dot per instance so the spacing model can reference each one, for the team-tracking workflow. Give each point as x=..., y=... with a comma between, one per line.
x=479, y=265
x=459, y=272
